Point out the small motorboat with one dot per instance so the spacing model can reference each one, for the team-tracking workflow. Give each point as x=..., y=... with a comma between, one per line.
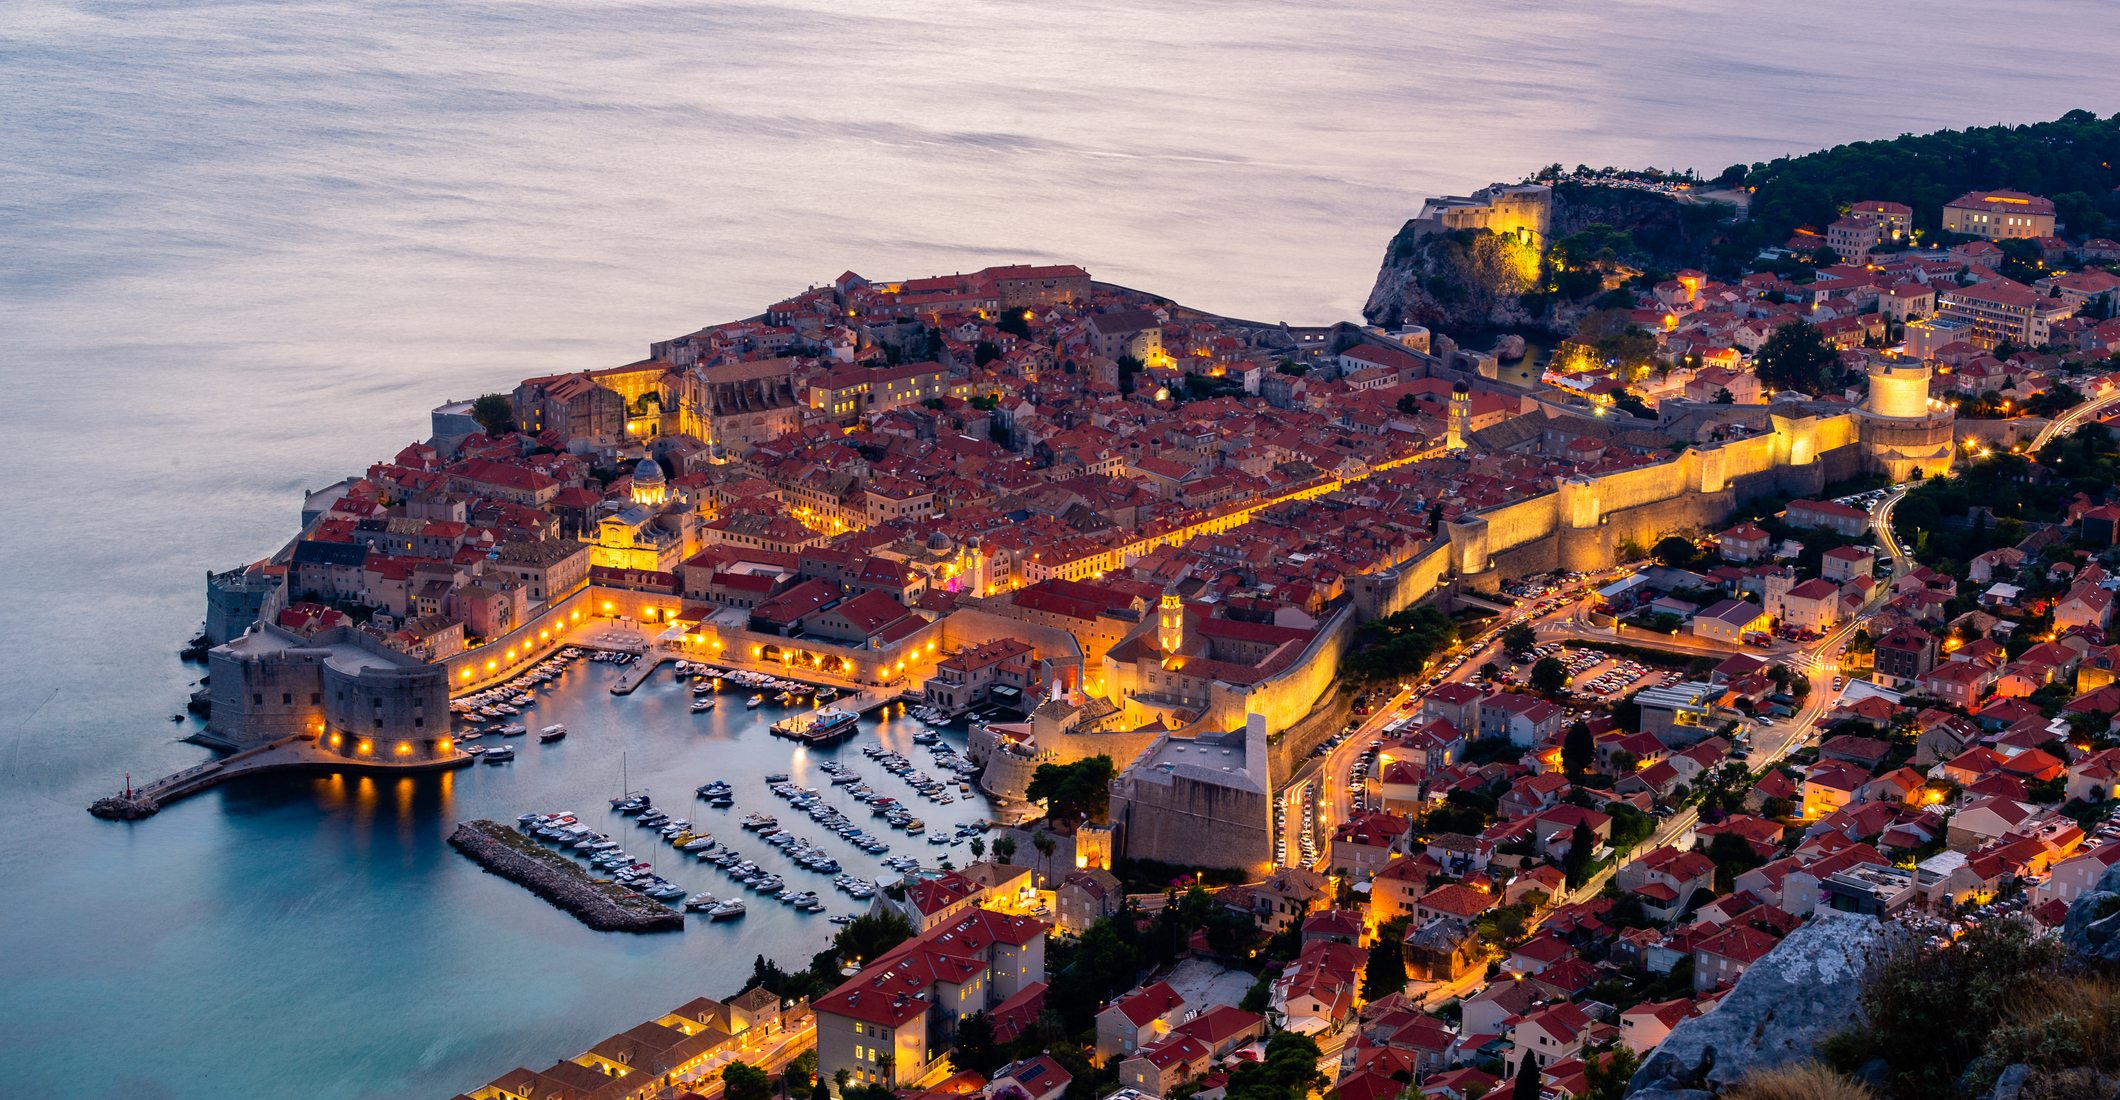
x=727, y=910
x=551, y=733
x=498, y=755
x=703, y=706
x=753, y=701
x=699, y=903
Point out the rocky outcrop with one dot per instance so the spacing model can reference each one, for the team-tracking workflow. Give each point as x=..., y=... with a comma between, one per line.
x=604, y=906
x=2093, y=924
x=1453, y=281
x=1461, y=281
x=1808, y=987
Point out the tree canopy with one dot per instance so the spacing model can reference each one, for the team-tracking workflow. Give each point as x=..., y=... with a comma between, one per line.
x=1398, y=645
x=494, y=412
x=1074, y=792
x=1549, y=675
x=2069, y=159
x=1797, y=357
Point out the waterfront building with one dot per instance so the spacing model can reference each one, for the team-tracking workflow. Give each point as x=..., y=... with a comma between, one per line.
x=343, y=686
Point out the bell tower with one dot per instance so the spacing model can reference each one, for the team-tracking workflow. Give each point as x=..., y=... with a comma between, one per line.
x=1170, y=623
x=1459, y=425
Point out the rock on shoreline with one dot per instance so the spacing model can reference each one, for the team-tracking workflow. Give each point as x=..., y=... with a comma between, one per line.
x=604, y=906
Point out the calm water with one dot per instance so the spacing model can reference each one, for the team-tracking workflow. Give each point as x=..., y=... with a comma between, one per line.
x=245, y=245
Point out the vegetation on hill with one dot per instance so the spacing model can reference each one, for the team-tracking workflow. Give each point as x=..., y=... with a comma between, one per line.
x=2074, y=160
x=1945, y=1019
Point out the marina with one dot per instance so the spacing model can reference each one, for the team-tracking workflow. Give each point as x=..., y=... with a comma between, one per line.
x=675, y=865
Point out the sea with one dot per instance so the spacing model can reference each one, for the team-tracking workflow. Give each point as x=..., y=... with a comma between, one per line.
x=245, y=245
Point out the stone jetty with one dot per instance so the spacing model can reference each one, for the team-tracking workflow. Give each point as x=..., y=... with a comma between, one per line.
x=604, y=906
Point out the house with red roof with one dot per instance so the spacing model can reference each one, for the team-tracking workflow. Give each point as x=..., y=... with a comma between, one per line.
x=1724, y=957
x=1646, y=1025
x=1546, y=1035
x=1362, y=845
x=1317, y=992
x=878, y=1025
x=1137, y=1018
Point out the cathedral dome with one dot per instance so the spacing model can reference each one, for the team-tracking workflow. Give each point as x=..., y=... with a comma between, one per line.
x=647, y=473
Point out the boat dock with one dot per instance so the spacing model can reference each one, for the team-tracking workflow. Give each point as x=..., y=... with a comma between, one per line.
x=798, y=727
x=637, y=673
x=295, y=753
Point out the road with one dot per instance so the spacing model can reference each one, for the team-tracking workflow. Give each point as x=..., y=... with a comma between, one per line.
x=2071, y=420
x=1335, y=804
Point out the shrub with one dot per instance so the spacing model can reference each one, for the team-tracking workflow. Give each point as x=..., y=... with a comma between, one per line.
x=1805, y=1081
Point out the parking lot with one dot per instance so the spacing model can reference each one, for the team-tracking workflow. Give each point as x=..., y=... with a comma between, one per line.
x=1595, y=677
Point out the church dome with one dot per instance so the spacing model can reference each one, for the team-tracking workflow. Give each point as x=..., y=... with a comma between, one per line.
x=938, y=541
x=648, y=472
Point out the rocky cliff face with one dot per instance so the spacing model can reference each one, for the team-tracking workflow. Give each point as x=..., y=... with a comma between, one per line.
x=1467, y=280
x=1808, y=987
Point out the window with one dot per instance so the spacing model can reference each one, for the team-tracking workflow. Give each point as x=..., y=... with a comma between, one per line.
x=287, y=698
x=257, y=699
x=316, y=698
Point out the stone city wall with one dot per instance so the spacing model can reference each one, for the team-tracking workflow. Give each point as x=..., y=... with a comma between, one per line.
x=1192, y=823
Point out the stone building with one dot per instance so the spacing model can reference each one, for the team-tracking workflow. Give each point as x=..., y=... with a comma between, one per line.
x=355, y=694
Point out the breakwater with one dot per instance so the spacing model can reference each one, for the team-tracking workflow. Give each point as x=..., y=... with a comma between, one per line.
x=604, y=906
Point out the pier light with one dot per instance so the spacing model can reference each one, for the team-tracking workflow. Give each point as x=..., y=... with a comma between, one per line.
x=404, y=748
x=577, y=615
x=511, y=654
x=465, y=675
x=335, y=740
x=491, y=665
x=364, y=748
x=444, y=745
x=608, y=605
x=544, y=633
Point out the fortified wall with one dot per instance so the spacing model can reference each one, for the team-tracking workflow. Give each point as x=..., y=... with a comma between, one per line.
x=1580, y=526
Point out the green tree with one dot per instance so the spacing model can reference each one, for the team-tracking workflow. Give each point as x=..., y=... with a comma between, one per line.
x=1073, y=792
x=1676, y=551
x=1519, y=638
x=1549, y=675
x=1385, y=972
x=1578, y=750
x=1398, y=645
x=1290, y=1069
x=1528, y=1080
x=975, y=1047
x=1797, y=357
x=1609, y=1073
x=1004, y=848
x=1044, y=842
x=1582, y=846
x=1723, y=396
x=494, y=412
x=978, y=848
x=744, y=1081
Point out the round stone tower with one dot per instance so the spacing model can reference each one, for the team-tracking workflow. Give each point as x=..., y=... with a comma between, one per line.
x=1904, y=436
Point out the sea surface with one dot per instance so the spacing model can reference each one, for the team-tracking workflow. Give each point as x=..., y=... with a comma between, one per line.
x=246, y=244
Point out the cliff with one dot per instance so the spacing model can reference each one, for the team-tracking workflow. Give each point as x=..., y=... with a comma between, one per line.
x=1808, y=987
x=1469, y=280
